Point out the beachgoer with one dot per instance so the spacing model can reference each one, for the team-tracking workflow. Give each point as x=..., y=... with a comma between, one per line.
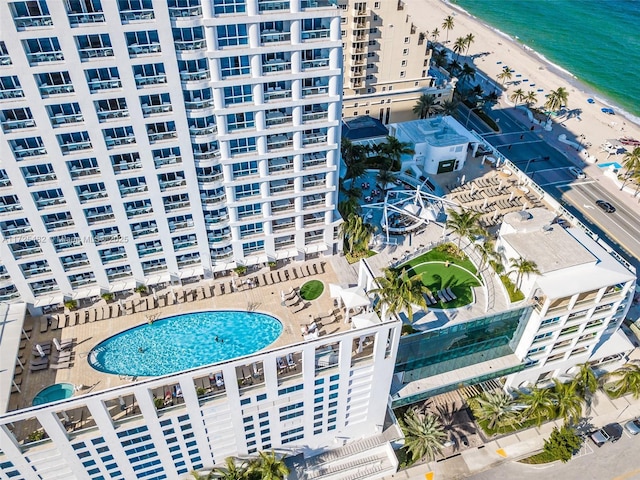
x=217, y=339
x=140, y=350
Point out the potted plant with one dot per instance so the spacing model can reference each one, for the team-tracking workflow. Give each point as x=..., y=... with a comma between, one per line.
x=108, y=297
x=141, y=289
x=70, y=304
x=36, y=436
x=158, y=402
x=273, y=265
x=200, y=391
x=240, y=269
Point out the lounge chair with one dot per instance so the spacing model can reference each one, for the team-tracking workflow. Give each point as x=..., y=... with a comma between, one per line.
x=54, y=322
x=281, y=364
x=291, y=363
x=302, y=307
x=294, y=271
x=44, y=326
x=315, y=268
x=62, y=357
x=290, y=294
x=432, y=298
x=64, y=344
x=206, y=291
x=39, y=361
x=287, y=275
x=36, y=368
x=451, y=294
x=59, y=365
x=293, y=300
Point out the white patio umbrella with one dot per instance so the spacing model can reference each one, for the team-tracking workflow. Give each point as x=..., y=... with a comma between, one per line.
x=363, y=320
x=512, y=195
x=354, y=297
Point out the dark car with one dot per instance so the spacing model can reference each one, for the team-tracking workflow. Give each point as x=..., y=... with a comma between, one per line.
x=606, y=206
x=609, y=433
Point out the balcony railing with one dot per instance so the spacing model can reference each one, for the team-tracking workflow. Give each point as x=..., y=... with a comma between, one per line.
x=76, y=19
x=12, y=93
x=46, y=177
x=212, y=199
x=320, y=90
x=142, y=232
x=195, y=76
x=190, y=45
x=222, y=255
x=216, y=177
x=119, y=141
x=182, y=12
x=155, y=109
x=62, y=119
x=26, y=252
x=75, y=147
x=84, y=172
x=315, y=34
x=198, y=103
x=317, y=63
x=219, y=238
x=176, y=206
x=136, y=15
x=9, y=125
x=312, y=139
x=206, y=155
x=157, y=137
x=133, y=190
x=21, y=152
x=146, y=251
x=14, y=207
x=314, y=163
x=275, y=209
x=315, y=116
x=43, y=57
x=34, y=21
x=269, y=6
x=279, y=189
x=50, y=202
x=151, y=80
x=185, y=244
x=5, y=59
x=166, y=185
x=280, y=168
x=279, y=142
x=144, y=49
x=89, y=53
x=270, y=37
x=18, y=230
x=51, y=226
x=314, y=184
x=154, y=269
x=277, y=118
x=175, y=226
x=101, y=217
x=280, y=66
x=136, y=212
x=277, y=95
x=316, y=3
x=278, y=227
x=56, y=89
x=166, y=161
x=200, y=131
x=98, y=85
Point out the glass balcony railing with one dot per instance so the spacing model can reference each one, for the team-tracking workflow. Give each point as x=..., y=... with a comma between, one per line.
x=315, y=34
x=11, y=93
x=217, y=177
x=133, y=190
x=317, y=63
x=21, y=152
x=154, y=269
x=156, y=109
x=150, y=80
x=198, y=103
x=17, y=230
x=278, y=227
x=314, y=163
x=117, y=275
x=271, y=5
x=175, y=226
x=56, y=89
x=84, y=172
x=212, y=199
x=277, y=209
x=62, y=119
x=222, y=255
x=50, y=202
x=89, y=53
x=5, y=59
x=52, y=226
x=190, y=45
x=14, y=207
x=147, y=251
x=176, y=206
x=160, y=136
x=136, y=212
x=271, y=37
x=195, y=76
x=144, y=49
x=319, y=90
x=143, y=232
x=119, y=141
x=313, y=139
x=166, y=161
x=101, y=217
x=201, y=156
x=137, y=15
x=200, y=131
x=76, y=19
x=276, y=67
x=45, y=177
x=183, y=245
x=169, y=184
x=44, y=57
x=183, y=12
x=314, y=184
x=10, y=125
x=33, y=21
x=276, y=95
x=99, y=85
x=280, y=189
x=75, y=147
x=315, y=116
x=27, y=252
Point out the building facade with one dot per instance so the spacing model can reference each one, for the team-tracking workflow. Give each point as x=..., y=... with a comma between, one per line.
x=146, y=141
x=386, y=62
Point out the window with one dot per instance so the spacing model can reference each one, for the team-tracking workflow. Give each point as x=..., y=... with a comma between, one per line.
x=405, y=51
x=238, y=94
x=541, y=337
x=233, y=66
x=403, y=74
x=228, y=6
x=252, y=247
x=242, y=145
x=238, y=121
x=232, y=35
x=249, y=190
x=244, y=169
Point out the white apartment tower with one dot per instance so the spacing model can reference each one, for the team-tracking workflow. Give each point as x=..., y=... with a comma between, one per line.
x=145, y=141
x=386, y=62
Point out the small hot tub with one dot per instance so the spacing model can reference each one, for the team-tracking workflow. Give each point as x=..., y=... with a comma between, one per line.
x=53, y=393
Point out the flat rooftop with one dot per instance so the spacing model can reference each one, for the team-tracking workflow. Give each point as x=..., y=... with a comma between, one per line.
x=434, y=131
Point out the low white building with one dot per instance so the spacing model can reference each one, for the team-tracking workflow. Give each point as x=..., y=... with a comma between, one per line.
x=581, y=296
x=440, y=143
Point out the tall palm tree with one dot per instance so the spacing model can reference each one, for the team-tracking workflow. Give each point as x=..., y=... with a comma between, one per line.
x=631, y=162
x=354, y=157
x=517, y=96
x=586, y=382
x=464, y=223
x=486, y=250
x=505, y=74
x=468, y=40
x=195, y=475
x=448, y=24
x=567, y=400
x=356, y=233
x=627, y=379
x=424, y=434
x=426, y=105
x=351, y=202
x=435, y=33
x=454, y=67
x=459, y=46
x=540, y=404
x=393, y=149
x=231, y=470
x=400, y=292
x=530, y=98
x=556, y=99
x=467, y=72
x=385, y=177
x=269, y=466
x=521, y=266
x=439, y=57
x=498, y=409
x=449, y=107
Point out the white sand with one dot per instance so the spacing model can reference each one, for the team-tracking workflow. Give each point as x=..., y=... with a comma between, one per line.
x=593, y=124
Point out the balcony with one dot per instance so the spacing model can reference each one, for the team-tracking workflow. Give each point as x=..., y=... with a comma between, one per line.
x=113, y=276
x=13, y=207
x=119, y=141
x=276, y=66
x=319, y=90
x=276, y=94
x=133, y=190
x=156, y=109
x=210, y=155
x=313, y=204
x=215, y=220
x=26, y=252
x=314, y=184
x=77, y=173
x=80, y=282
x=71, y=264
x=190, y=45
x=137, y=15
x=154, y=269
x=184, y=244
x=150, y=80
x=273, y=6
x=42, y=203
x=11, y=231
x=317, y=63
x=40, y=178
x=20, y=152
x=11, y=93
x=139, y=211
x=99, y=217
x=143, y=232
x=5, y=59
x=167, y=161
x=277, y=117
x=314, y=138
x=57, y=225
x=212, y=178
x=176, y=226
x=210, y=129
x=209, y=200
x=171, y=206
x=313, y=222
x=221, y=238
x=271, y=36
x=160, y=136
x=185, y=261
x=146, y=251
x=4, y=182
x=62, y=89
x=89, y=196
x=286, y=207
x=316, y=34
x=223, y=255
x=195, y=76
x=89, y=53
x=99, y=85
x=76, y=19
x=44, y=57
x=10, y=125
x=278, y=142
x=314, y=163
x=198, y=103
x=33, y=21
x=46, y=289
x=280, y=188
x=135, y=50
x=279, y=227
x=169, y=184
x=61, y=119
x=316, y=3
x=73, y=147
x=184, y=12
x=281, y=167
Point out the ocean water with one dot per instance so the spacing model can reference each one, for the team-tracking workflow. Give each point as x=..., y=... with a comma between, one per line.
x=598, y=41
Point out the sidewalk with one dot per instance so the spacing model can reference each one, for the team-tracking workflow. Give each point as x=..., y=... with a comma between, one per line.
x=519, y=445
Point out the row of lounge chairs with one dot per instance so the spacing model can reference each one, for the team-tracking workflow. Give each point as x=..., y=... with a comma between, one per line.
x=445, y=295
x=61, y=357
x=293, y=300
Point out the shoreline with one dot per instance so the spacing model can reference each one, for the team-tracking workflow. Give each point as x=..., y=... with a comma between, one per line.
x=573, y=80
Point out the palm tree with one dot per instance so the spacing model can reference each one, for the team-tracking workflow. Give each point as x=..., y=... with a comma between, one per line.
x=505, y=74
x=425, y=106
x=468, y=40
x=353, y=156
x=195, y=475
x=464, y=223
x=435, y=33
x=627, y=379
x=424, y=435
x=356, y=233
x=467, y=71
x=399, y=292
x=231, y=470
x=631, y=162
x=351, y=202
x=439, y=57
x=522, y=266
x=498, y=409
x=447, y=25
x=486, y=250
x=454, y=67
x=393, y=149
x=449, y=107
x=459, y=46
x=556, y=99
x=530, y=98
x=540, y=404
x=586, y=382
x=269, y=467
x=384, y=178
x=517, y=95
x=567, y=400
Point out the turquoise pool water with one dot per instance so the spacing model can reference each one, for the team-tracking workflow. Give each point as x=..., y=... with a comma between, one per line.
x=53, y=393
x=610, y=164
x=183, y=342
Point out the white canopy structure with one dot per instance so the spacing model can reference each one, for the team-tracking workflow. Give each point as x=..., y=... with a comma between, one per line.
x=354, y=297
x=363, y=320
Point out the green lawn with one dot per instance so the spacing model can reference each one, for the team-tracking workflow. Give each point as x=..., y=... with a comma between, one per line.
x=311, y=290
x=436, y=275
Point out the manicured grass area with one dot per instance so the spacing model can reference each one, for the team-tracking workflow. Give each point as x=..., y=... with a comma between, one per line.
x=539, y=459
x=515, y=295
x=359, y=256
x=311, y=290
x=440, y=269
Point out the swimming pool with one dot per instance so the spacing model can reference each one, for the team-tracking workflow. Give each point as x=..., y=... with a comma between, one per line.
x=184, y=341
x=615, y=165
x=53, y=393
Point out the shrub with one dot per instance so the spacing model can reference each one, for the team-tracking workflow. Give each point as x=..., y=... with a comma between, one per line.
x=240, y=269
x=140, y=289
x=561, y=445
x=515, y=295
x=36, y=436
x=107, y=297
x=451, y=249
x=71, y=304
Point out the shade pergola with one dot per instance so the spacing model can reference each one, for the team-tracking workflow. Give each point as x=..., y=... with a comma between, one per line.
x=354, y=297
x=363, y=320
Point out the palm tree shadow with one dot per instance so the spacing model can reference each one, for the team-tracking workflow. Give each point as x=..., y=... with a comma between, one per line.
x=456, y=422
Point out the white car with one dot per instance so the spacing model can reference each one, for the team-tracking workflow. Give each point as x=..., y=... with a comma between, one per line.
x=576, y=172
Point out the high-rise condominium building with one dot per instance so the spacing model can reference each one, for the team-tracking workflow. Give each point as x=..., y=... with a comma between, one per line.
x=145, y=141
x=386, y=62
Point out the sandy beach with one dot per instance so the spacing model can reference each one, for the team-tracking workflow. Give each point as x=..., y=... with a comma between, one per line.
x=586, y=125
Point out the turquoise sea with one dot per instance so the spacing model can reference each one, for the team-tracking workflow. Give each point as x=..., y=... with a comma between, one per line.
x=598, y=41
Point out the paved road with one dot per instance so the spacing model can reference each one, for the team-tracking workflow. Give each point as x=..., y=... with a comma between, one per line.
x=610, y=462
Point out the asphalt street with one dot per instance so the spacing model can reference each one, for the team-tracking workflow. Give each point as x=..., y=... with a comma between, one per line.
x=612, y=461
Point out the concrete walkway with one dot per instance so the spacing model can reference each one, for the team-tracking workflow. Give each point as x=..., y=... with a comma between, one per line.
x=519, y=445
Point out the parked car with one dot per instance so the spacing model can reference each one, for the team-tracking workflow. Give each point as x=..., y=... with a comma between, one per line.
x=633, y=426
x=606, y=206
x=609, y=433
x=576, y=172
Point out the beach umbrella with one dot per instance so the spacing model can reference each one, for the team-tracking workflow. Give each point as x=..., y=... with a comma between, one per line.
x=500, y=186
x=473, y=189
x=463, y=179
x=484, y=205
x=512, y=195
x=495, y=214
x=155, y=295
